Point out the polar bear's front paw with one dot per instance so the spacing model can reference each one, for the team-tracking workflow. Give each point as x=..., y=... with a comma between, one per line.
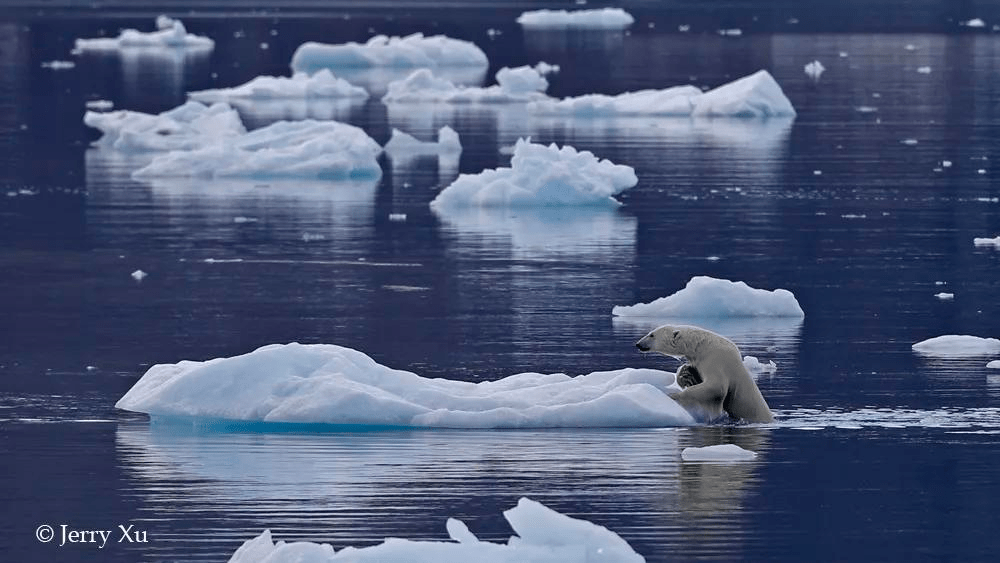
x=687, y=376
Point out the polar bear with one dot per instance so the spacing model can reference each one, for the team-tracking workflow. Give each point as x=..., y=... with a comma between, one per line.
x=715, y=379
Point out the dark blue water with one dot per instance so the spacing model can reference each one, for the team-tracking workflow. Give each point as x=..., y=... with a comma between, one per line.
x=878, y=455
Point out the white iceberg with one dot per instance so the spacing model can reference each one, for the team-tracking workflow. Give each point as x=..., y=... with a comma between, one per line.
x=321, y=150
x=606, y=18
x=403, y=144
x=541, y=175
x=189, y=126
x=995, y=364
x=756, y=95
x=814, y=69
x=542, y=536
x=974, y=22
x=707, y=297
x=521, y=84
x=755, y=366
x=322, y=84
x=995, y=242
x=329, y=384
x=721, y=452
x=170, y=33
x=957, y=346
x=412, y=51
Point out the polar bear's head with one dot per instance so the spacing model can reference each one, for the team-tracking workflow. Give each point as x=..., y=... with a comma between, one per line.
x=667, y=339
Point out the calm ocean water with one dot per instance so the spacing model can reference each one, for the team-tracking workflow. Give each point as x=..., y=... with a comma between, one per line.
x=878, y=455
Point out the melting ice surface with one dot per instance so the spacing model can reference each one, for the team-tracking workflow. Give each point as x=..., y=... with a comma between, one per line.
x=170, y=33
x=322, y=84
x=957, y=345
x=606, y=18
x=707, y=297
x=521, y=84
x=543, y=536
x=329, y=384
x=541, y=175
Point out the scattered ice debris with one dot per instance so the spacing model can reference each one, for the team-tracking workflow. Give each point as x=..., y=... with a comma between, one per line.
x=139, y=275
x=756, y=95
x=541, y=175
x=521, y=84
x=400, y=217
x=814, y=70
x=995, y=242
x=995, y=364
x=404, y=144
x=952, y=345
x=910, y=142
x=170, y=33
x=329, y=384
x=58, y=65
x=241, y=220
x=606, y=18
x=323, y=84
x=545, y=68
x=322, y=150
x=924, y=70
x=944, y=296
x=854, y=216
x=412, y=51
x=866, y=109
x=754, y=365
x=542, y=536
x=974, y=23
x=189, y=126
x=721, y=452
x=707, y=297
x=734, y=32
x=99, y=105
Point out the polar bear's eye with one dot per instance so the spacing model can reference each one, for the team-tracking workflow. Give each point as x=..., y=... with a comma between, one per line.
x=676, y=334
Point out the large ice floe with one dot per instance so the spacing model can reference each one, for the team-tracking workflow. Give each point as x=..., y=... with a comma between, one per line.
x=521, y=84
x=412, y=51
x=756, y=95
x=957, y=346
x=170, y=33
x=541, y=175
x=333, y=385
x=707, y=297
x=604, y=18
x=542, y=536
x=322, y=84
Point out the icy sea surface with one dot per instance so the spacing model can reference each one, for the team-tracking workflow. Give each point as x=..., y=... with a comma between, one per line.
x=878, y=454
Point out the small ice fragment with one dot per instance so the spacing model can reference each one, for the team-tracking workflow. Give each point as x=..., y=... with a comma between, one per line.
x=843, y=54
x=854, y=216
x=458, y=531
x=817, y=172
x=264, y=46
x=545, y=68
x=713, y=258
x=924, y=70
x=721, y=452
x=940, y=283
x=684, y=28
x=910, y=47
x=793, y=21
x=734, y=32
x=987, y=242
x=493, y=32
x=944, y=296
x=974, y=22
x=754, y=365
x=309, y=237
x=58, y=65
x=866, y=109
x=981, y=171
x=995, y=364
x=138, y=275
x=910, y=142
x=651, y=25
x=946, y=163
x=814, y=70
x=876, y=95
x=244, y=219
x=397, y=216
x=91, y=368
x=99, y=105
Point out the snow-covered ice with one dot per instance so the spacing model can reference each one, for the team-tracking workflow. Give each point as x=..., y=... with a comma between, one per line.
x=329, y=384
x=814, y=69
x=721, y=452
x=707, y=297
x=521, y=84
x=403, y=144
x=322, y=84
x=957, y=345
x=754, y=365
x=189, y=126
x=605, y=18
x=995, y=242
x=412, y=51
x=170, y=33
x=541, y=175
x=542, y=536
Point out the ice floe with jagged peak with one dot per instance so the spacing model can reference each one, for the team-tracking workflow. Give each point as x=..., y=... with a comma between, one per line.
x=411, y=51
x=320, y=85
x=170, y=33
x=514, y=85
x=320, y=150
x=719, y=453
x=603, y=18
x=707, y=297
x=957, y=346
x=189, y=126
x=542, y=535
x=335, y=385
x=541, y=175
x=403, y=144
x=756, y=95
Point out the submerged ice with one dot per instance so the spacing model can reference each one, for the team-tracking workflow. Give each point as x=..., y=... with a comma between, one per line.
x=707, y=297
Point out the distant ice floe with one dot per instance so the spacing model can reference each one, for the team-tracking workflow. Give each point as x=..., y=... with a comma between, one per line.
x=606, y=18
x=756, y=95
x=542, y=536
x=403, y=144
x=58, y=65
x=974, y=23
x=514, y=85
x=334, y=385
x=323, y=84
x=189, y=126
x=995, y=364
x=994, y=242
x=814, y=70
x=170, y=33
x=755, y=366
x=957, y=346
x=541, y=175
x=707, y=297
x=721, y=452
x=412, y=51
x=100, y=105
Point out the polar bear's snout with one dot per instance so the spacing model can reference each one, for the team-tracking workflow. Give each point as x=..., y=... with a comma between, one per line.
x=644, y=344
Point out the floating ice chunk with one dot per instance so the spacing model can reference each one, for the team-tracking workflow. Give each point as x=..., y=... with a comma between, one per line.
x=139, y=275
x=541, y=176
x=545, y=68
x=995, y=364
x=100, y=105
x=974, y=22
x=995, y=242
x=814, y=70
x=721, y=452
x=330, y=384
x=322, y=84
x=756, y=95
x=398, y=217
x=606, y=18
x=734, y=32
x=412, y=51
x=58, y=65
x=323, y=150
x=170, y=34
x=924, y=69
x=706, y=297
x=754, y=365
x=910, y=142
x=521, y=84
x=944, y=296
x=866, y=109
x=946, y=163
x=192, y=125
x=843, y=54
x=684, y=28
x=952, y=345
x=543, y=536
x=404, y=144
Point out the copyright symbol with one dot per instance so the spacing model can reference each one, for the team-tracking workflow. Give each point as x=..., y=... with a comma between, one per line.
x=44, y=533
